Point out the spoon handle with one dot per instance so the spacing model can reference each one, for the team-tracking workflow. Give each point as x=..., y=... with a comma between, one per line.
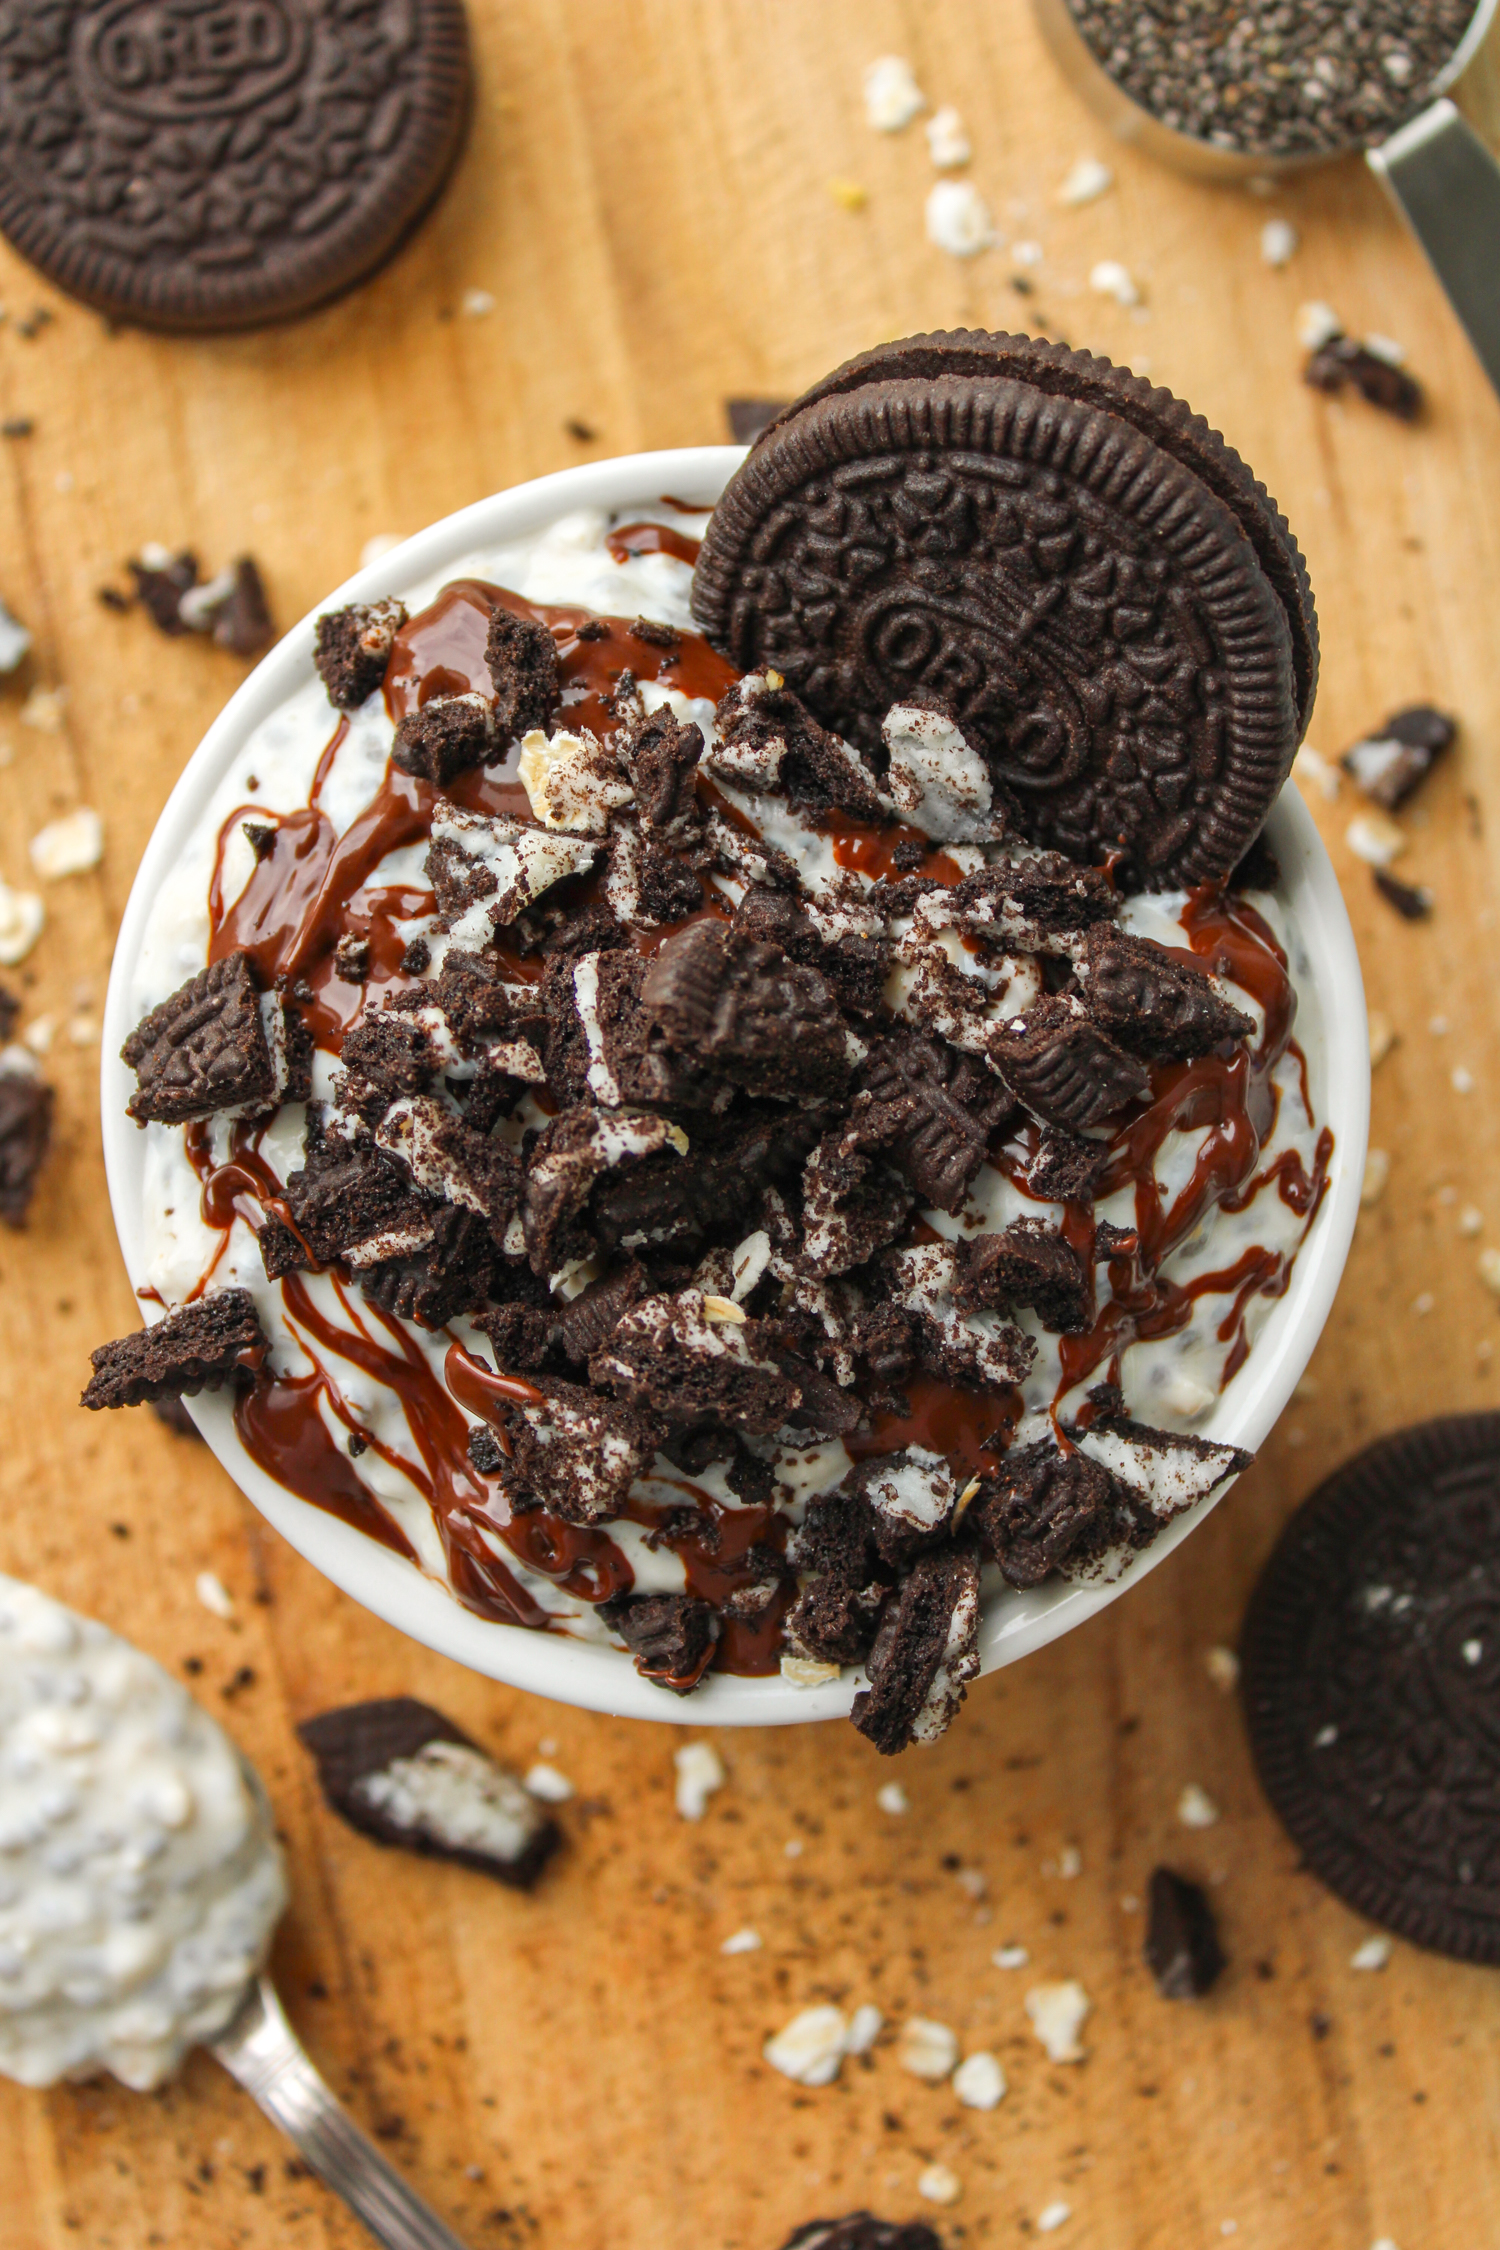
x=261, y=2050
x=1446, y=184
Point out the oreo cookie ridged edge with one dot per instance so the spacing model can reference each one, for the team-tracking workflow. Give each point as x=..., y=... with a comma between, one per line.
x=1118, y=489
x=1371, y=1658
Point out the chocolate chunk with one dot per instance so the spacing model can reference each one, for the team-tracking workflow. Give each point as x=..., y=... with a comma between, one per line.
x=1369, y=1653
x=160, y=586
x=749, y=417
x=1389, y=765
x=834, y=1616
x=205, y=1345
x=1066, y=1167
x=446, y=736
x=353, y=648
x=204, y=1050
x=1341, y=360
x=1154, y=1004
x=520, y=655
x=26, y=1104
x=852, y=1206
x=670, y=1355
x=1028, y=1263
x=1065, y=1069
x=399, y=1771
x=577, y=1453
x=1042, y=1510
x=767, y=1023
x=1412, y=901
x=661, y=755
x=769, y=740
x=934, y=1109
x=924, y=1654
x=1182, y=1948
x=671, y=1636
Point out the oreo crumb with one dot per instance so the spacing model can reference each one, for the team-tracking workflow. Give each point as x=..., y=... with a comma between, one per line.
x=203, y=1051
x=1412, y=901
x=216, y=1341
x=26, y=1109
x=1182, y=1948
x=353, y=647
x=520, y=655
x=1342, y=361
x=1389, y=765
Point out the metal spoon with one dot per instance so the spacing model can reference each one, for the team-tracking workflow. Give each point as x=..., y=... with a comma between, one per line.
x=1436, y=169
x=261, y=2050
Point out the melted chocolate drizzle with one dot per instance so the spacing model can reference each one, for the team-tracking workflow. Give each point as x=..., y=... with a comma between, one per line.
x=312, y=888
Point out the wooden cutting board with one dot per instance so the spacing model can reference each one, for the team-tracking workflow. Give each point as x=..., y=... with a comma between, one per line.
x=646, y=199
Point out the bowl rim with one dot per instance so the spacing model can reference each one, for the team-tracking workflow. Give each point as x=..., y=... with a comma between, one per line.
x=580, y=1673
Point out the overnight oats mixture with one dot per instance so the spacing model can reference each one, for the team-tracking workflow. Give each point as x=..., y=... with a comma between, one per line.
x=682, y=1178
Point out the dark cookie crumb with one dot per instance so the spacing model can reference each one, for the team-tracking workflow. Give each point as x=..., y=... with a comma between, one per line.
x=215, y=1341
x=934, y=1109
x=26, y=1107
x=1343, y=361
x=861, y=2230
x=1182, y=1948
x=1029, y=1263
x=204, y=1050
x=671, y=1636
x=353, y=649
x=1389, y=765
x=1155, y=1005
x=1066, y=1070
x=1413, y=901
x=521, y=657
x=924, y=1653
x=447, y=736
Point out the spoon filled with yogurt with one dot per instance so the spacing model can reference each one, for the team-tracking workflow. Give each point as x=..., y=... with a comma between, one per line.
x=140, y=1884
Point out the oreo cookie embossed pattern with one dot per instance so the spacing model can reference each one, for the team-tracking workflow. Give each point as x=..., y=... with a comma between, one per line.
x=758, y=1201
x=211, y=164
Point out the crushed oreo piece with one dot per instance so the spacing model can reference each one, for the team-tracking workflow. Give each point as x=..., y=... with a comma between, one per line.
x=1182, y=1948
x=852, y=959
x=161, y=580
x=577, y=1453
x=1064, y=1068
x=933, y=1109
x=388, y=1055
x=586, y=1323
x=1027, y=1263
x=1166, y=1470
x=205, y=1345
x=769, y=740
x=451, y=1272
x=852, y=1206
x=1066, y=1167
x=448, y=1159
x=1042, y=1510
x=233, y=609
x=520, y=655
x=1342, y=361
x=10, y=1012
x=446, y=736
x=484, y=1448
x=671, y=1636
x=661, y=756
x=676, y=1357
x=738, y=1004
x=353, y=648
x=1155, y=1005
x=976, y=1350
x=861, y=2230
x=834, y=1616
x=1413, y=901
x=486, y=869
x=351, y=957
x=1389, y=765
x=574, y=1150
x=924, y=1655
x=646, y=629
x=26, y=1106
x=912, y=1497
x=404, y=1774
x=1041, y=904
x=204, y=1050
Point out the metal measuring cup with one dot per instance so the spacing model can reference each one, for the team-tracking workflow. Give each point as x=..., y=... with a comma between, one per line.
x=1436, y=169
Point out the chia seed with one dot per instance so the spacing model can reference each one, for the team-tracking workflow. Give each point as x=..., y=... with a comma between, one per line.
x=1302, y=78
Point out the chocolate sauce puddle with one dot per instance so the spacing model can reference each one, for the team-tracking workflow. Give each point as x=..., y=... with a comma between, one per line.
x=311, y=887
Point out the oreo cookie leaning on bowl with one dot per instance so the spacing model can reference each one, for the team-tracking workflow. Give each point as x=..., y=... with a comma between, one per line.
x=1371, y=1657
x=192, y=166
x=1070, y=563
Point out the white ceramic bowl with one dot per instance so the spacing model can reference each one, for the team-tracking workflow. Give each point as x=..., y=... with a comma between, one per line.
x=603, y=1679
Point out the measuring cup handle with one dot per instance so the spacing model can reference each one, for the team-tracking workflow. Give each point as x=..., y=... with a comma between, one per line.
x=1446, y=184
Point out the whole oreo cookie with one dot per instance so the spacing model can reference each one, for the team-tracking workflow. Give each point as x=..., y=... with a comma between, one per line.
x=1070, y=563
x=1371, y=1658
x=210, y=166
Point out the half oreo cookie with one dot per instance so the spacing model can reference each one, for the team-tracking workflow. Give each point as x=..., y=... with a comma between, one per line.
x=193, y=167
x=1371, y=1657
x=1066, y=560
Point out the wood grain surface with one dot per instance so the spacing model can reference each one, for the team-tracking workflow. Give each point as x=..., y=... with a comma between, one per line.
x=646, y=198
